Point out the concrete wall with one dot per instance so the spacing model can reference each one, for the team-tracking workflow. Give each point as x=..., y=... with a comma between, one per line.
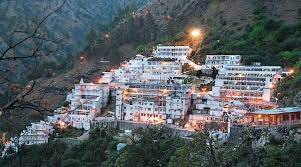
x=127, y=125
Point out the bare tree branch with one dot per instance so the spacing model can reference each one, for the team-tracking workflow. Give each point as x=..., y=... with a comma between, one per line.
x=33, y=34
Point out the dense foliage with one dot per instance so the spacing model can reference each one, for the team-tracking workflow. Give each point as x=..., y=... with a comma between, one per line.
x=266, y=41
x=156, y=147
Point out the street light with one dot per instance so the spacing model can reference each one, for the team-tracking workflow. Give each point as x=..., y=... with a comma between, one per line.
x=195, y=33
x=196, y=36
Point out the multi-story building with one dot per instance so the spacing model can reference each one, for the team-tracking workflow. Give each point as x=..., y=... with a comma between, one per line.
x=106, y=78
x=174, y=52
x=206, y=109
x=86, y=100
x=157, y=70
x=252, y=84
x=131, y=71
x=153, y=103
x=10, y=146
x=37, y=133
x=219, y=61
x=60, y=115
x=148, y=70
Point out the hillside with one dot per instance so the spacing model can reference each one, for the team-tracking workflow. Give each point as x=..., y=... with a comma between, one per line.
x=266, y=31
x=158, y=148
x=217, y=18
x=69, y=25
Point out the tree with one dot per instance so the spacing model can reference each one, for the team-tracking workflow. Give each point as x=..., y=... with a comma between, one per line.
x=180, y=158
x=71, y=163
x=36, y=37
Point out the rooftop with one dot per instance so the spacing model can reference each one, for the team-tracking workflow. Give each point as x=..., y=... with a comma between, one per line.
x=278, y=111
x=162, y=59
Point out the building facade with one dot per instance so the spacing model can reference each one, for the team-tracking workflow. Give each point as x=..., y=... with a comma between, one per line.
x=37, y=133
x=86, y=100
x=160, y=70
x=251, y=84
x=153, y=103
x=174, y=52
x=274, y=117
x=219, y=61
x=148, y=70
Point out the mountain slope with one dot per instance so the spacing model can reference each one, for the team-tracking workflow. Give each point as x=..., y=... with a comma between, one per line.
x=169, y=21
x=71, y=24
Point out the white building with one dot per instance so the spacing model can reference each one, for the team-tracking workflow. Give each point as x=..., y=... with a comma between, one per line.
x=209, y=105
x=148, y=70
x=160, y=70
x=37, y=133
x=131, y=71
x=153, y=103
x=9, y=145
x=252, y=84
x=174, y=52
x=219, y=61
x=60, y=114
x=86, y=100
x=106, y=78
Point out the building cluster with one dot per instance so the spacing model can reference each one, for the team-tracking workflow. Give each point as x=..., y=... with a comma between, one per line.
x=37, y=133
x=153, y=103
x=251, y=84
x=86, y=101
x=154, y=90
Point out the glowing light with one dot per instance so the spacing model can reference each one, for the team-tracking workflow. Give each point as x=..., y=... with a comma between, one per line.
x=100, y=80
x=61, y=124
x=195, y=33
x=82, y=58
x=165, y=92
x=107, y=35
x=291, y=71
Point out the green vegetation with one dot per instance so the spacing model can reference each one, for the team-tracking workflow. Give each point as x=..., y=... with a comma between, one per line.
x=69, y=132
x=51, y=68
x=289, y=89
x=156, y=147
x=263, y=40
x=137, y=31
x=266, y=41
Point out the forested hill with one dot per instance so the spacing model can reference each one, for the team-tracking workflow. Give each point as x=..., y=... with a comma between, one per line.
x=265, y=31
x=75, y=18
x=268, y=32
x=68, y=27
